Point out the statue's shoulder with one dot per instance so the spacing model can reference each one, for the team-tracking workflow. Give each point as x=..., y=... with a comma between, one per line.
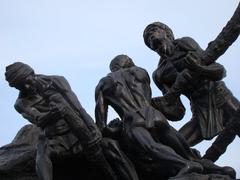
x=188, y=43
x=55, y=78
x=139, y=69
x=140, y=73
x=106, y=79
x=104, y=82
x=59, y=81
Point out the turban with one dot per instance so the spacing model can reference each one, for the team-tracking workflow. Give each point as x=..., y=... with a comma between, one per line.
x=16, y=72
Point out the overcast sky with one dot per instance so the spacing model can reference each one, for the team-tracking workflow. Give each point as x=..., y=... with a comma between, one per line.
x=78, y=39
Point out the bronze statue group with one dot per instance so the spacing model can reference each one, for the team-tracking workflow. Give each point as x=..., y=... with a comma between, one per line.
x=141, y=139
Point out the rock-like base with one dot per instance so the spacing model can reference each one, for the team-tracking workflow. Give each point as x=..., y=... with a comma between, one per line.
x=17, y=162
x=195, y=176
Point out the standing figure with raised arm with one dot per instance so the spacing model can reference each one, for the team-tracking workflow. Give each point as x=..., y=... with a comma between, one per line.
x=181, y=70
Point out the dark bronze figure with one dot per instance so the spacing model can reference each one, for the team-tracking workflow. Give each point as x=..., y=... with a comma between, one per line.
x=141, y=137
x=145, y=130
x=182, y=70
x=49, y=103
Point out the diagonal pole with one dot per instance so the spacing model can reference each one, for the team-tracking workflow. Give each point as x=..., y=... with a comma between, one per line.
x=224, y=40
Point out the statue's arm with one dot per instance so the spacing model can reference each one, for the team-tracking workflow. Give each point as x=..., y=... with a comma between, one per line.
x=213, y=71
x=32, y=114
x=100, y=108
x=165, y=84
x=164, y=76
x=42, y=119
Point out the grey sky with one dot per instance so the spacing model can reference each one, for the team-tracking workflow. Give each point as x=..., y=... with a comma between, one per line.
x=77, y=39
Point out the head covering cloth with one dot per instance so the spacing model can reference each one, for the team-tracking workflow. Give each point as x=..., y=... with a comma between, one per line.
x=149, y=28
x=17, y=72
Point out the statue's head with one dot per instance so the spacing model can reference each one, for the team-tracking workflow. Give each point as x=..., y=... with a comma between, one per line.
x=159, y=37
x=19, y=75
x=121, y=62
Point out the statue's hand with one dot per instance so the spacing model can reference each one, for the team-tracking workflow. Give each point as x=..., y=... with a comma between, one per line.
x=57, y=104
x=57, y=98
x=42, y=84
x=113, y=129
x=109, y=132
x=57, y=108
x=192, y=61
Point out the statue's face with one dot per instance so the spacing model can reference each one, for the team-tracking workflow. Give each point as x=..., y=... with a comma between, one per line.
x=160, y=41
x=26, y=84
x=29, y=83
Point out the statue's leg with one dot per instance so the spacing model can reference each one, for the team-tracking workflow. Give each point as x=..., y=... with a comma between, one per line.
x=44, y=167
x=225, y=138
x=173, y=139
x=191, y=132
x=167, y=135
x=220, y=145
x=211, y=168
x=120, y=162
x=143, y=142
x=94, y=154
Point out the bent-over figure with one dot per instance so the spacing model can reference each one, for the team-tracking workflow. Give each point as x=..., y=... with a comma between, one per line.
x=49, y=103
x=145, y=129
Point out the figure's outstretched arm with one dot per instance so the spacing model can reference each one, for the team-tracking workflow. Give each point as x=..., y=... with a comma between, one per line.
x=224, y=40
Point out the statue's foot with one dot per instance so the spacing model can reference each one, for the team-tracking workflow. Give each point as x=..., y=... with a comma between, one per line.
x=211, y=168
x=190, y=168
x=226, y=170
